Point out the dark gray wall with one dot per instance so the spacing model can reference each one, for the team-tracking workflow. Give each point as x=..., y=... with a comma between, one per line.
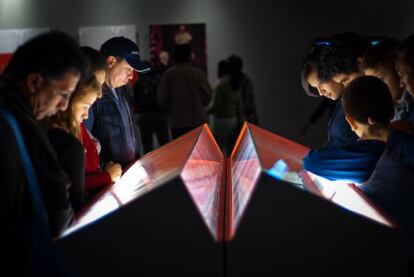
x=271, y=36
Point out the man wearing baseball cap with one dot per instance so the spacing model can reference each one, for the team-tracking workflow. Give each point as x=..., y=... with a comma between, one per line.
x=110, y=119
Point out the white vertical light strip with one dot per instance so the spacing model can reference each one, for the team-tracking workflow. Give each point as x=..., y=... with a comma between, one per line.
x=94, y=36
x=10, y=39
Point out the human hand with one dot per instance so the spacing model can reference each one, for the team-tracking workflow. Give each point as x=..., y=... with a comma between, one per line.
x=114, y=171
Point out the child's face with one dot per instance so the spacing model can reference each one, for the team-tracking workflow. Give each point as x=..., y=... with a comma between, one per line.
x=390, y=78
x=331, y=89
x=406, y=74
x=80, y=106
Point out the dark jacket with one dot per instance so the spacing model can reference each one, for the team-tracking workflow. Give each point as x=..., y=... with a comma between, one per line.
x=70, y=154
x=354, y=162
x=339, y=131
x=391, y=185
x=184, y=94
x=53, y=180
x=110, y=121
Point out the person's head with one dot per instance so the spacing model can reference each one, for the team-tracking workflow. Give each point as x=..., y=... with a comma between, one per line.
x=405, y=64
x=123, y=58
x=379, y=61
x=311, y=83
x=78, y=109
x=367, y=101
x=182, y=53
x=164, y=57
x=223, y=68
x=352, y=42
x=97, y=66
x=47, y=68
x=236, y=62
x=337, y=64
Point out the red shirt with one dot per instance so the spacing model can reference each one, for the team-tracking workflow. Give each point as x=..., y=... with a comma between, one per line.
x=95, y=177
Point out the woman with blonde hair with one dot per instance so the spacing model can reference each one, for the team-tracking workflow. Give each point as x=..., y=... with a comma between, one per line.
x=67, y=132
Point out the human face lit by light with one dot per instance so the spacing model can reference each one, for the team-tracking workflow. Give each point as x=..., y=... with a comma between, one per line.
x=331, y=89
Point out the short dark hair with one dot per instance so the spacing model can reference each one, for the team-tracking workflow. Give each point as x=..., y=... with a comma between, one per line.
x=309, y=64
x=236, y=62
x=182, y=53
x=51, y=54
x=381, y=55
x=352, y=42
x=405, y=51
x=334, y=60
x=223, y=68
x=366, y=97
x=95, y=61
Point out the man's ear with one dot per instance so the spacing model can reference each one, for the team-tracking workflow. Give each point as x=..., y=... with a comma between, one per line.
x=33, y=82
x=351, y=122
x=111, y=61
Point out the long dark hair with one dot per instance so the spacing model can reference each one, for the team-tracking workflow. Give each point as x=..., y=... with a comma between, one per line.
x=227, y=68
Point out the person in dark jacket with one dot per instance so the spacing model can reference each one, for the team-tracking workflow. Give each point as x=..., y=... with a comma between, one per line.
x=151, y=119
x=184, y=93
x=369, y=109
x=110, y=119
x=37, y=83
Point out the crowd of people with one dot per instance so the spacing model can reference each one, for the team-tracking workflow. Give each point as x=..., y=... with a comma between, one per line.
x=69, y=129
x=369, y=140
x=69, y=125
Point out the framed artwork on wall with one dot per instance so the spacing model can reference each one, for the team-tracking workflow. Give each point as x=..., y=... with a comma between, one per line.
x=163, y=39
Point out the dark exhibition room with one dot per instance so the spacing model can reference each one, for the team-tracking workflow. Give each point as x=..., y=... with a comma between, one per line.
x=207, y=138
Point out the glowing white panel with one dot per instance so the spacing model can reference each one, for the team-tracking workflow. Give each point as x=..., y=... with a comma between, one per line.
x=132, y=184
x=347, y=196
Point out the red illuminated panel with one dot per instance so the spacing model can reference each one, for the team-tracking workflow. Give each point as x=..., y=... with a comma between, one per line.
x=152, y=170
x=271, y=147
x=203, y=176
x=244, y=169
x=258, y=149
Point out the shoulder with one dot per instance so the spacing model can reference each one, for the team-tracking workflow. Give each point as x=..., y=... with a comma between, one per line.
x=62, y=141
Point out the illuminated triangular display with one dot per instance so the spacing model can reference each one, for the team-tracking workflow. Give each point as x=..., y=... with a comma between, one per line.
x=185, y=210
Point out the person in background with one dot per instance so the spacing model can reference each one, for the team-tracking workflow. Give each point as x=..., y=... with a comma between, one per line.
x=110, y=119
x=184, y=93
x=163, y=62
x=150, y=118
x=226, y=106
x=246, y=91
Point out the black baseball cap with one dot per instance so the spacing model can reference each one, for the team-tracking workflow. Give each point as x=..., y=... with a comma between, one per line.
x=124, y=48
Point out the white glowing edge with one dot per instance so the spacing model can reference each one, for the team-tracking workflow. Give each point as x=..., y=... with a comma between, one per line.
x=343, y=194
x=132, y=184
